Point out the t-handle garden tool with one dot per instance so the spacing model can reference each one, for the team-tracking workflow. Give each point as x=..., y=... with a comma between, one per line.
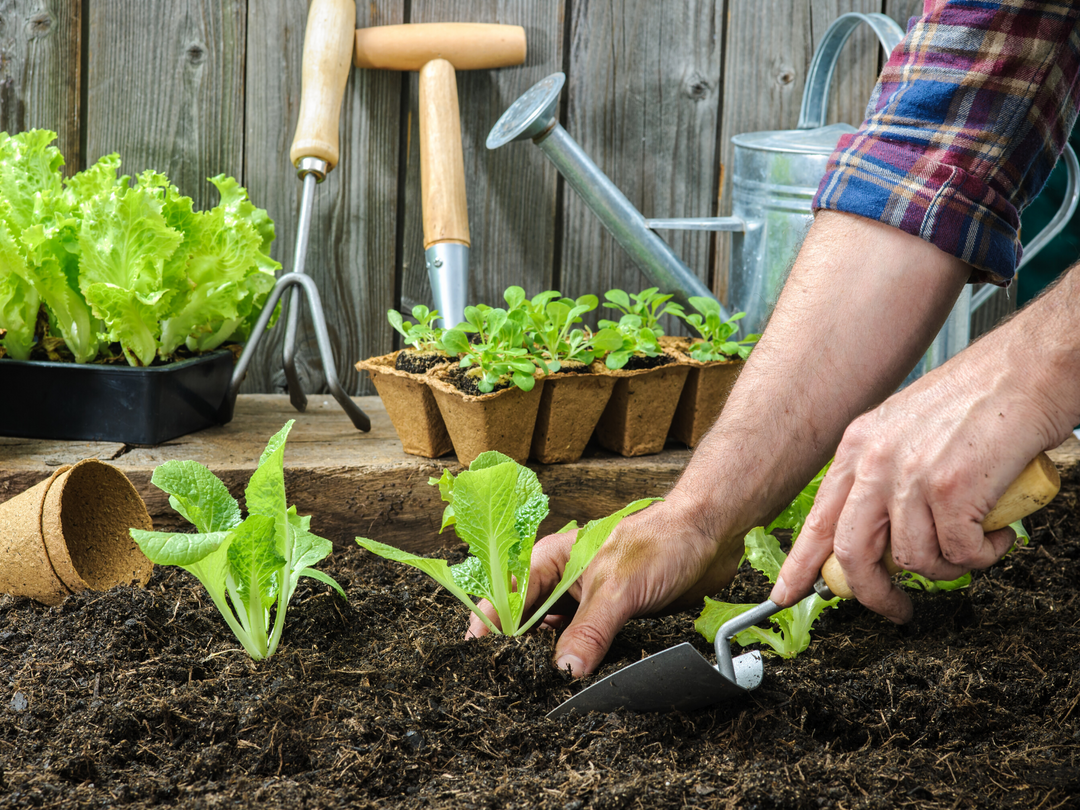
x=437, y=51
x=328, y=42
x=681, y=679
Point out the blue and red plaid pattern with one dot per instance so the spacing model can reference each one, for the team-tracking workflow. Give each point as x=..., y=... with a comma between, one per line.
x=968, y=118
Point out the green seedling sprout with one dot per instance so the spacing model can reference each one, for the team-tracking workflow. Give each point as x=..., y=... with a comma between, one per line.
x=423, y=335
x=249, y=566
x=496, y=507
x=791, y=632
x=715, y=332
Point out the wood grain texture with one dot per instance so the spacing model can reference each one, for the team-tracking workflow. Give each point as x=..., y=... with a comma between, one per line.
x=40, y=47
x=351, y=483
x=165, y=89
x=511, y=192
x=765, y=67
x=642, y=99
x=351, y=251
x=356, y=483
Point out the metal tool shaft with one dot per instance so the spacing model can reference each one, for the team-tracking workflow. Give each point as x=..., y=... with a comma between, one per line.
x=623, y=221
x=292, y=318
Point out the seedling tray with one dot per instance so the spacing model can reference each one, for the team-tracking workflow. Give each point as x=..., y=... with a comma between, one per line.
x=45, y=400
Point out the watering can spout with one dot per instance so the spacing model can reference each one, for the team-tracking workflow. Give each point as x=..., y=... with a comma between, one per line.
x=532, y=117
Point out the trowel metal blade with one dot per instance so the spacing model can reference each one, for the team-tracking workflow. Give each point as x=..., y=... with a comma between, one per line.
x=677, y=679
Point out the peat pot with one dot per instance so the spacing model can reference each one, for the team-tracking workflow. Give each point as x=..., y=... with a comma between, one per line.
x=45, y=400
x=411, y=406
x=502, y=420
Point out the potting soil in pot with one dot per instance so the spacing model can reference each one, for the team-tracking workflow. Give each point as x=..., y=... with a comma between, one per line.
x=141, y=698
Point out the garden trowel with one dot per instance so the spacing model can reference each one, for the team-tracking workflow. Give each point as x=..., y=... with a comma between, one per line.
x=681, y=679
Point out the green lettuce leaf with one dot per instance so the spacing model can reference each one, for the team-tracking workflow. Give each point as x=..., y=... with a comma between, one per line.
x=249, y=566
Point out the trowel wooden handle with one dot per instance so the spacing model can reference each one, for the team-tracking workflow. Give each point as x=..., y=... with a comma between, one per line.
x=442, y=163
x=328, y=44
x=1033, y=489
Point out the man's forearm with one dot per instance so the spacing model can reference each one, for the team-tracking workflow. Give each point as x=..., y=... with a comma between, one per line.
x=861, y=305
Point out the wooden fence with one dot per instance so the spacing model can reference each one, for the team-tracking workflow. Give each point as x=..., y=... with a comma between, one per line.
x=655, y=90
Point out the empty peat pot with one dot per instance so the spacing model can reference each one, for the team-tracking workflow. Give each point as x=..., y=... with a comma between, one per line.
x=70, y=534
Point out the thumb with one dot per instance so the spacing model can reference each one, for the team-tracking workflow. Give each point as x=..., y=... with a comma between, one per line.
x=587, y=638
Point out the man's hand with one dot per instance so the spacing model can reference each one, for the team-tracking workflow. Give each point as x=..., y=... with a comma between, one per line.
x=656, y=561
x=862, y=303
x=921, y=471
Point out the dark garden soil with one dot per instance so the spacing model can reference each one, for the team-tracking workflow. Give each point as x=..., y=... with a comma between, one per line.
x=140, y=698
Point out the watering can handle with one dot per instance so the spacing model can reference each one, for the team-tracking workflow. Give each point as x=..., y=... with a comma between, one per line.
x=815, y=100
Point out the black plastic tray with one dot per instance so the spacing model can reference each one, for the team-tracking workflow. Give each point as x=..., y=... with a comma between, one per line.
x=150, y=405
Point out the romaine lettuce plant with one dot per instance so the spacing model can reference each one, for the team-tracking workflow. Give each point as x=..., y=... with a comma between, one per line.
x=249, y=566
x=111, y=261
x=792, y=633
x=715, y=332
x=496, y=507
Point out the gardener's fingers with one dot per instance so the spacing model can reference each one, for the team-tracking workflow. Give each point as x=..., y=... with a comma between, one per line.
x=548, y=561
x=604, y=609
x=803, y=564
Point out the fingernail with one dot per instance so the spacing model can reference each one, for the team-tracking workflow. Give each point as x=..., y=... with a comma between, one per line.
x=572, y=664
x=779, y=591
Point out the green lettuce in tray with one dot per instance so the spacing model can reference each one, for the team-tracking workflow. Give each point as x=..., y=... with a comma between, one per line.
x=98, y=260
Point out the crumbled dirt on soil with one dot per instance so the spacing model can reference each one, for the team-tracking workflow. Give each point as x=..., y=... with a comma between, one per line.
x=141, y=698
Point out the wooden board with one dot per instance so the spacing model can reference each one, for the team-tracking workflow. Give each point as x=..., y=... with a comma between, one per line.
x=352, y=483
x=351, y=249
x=40, y=49
x=165, y=89
x=642, y=99
x=511, y=192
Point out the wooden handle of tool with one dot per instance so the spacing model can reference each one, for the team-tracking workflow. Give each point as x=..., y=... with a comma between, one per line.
x=328, y=44
x=467, y=46
x=442, y=164
x=1033, y=489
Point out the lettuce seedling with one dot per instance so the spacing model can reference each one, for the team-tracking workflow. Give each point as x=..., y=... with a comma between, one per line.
x=496, y=507
x=792, y=633
x=554, y=341
x=497, y=354
x=249, y=566
x=628, y=337
x=715, y=332
x=423, y=335
x=650, y=305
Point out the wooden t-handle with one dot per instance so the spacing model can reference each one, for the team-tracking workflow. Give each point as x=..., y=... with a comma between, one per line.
x=442, y=162
x=1033, y=489
x=328, y=44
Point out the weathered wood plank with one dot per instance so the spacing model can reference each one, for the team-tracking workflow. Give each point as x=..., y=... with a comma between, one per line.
x=40, y=43
x=765, y=67
x=642, y=100
x=351, y=249
x=352, y=483
x=165, y=89
x=511, y=192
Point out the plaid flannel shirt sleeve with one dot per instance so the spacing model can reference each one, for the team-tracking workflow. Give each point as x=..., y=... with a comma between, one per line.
x=968, y=118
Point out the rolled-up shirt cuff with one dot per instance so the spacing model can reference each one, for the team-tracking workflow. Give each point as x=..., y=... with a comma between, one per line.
x=905, y=187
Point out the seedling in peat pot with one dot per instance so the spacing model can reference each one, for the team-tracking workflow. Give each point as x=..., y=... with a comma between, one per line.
x=496, y=507
x=715, y=332
x=248, y=566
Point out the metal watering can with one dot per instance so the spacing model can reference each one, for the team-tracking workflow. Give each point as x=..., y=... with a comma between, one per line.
x=774, y=179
